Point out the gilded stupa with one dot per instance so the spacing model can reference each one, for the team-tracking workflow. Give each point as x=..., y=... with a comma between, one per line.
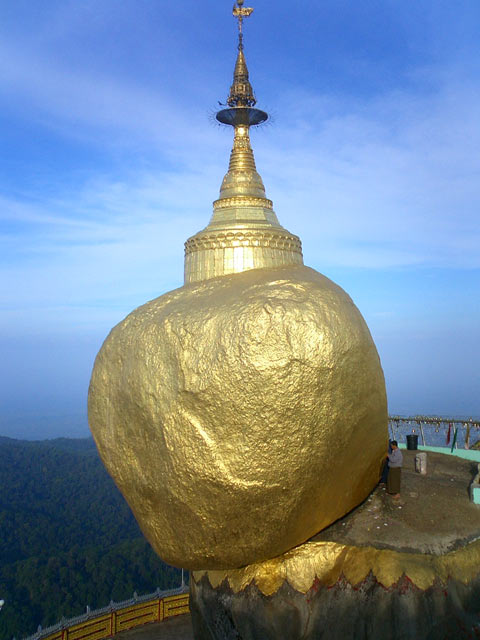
x=224, y=409
x=244, y=232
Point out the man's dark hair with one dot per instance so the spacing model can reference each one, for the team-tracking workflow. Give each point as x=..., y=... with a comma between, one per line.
x=394, y=442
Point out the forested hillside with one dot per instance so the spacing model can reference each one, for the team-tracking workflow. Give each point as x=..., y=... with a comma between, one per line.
x=67, y=537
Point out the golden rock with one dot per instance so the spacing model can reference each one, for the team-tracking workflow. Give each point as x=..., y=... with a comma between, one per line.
x=240, y=415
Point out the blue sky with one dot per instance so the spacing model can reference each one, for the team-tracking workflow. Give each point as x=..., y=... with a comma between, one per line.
x=110, y=160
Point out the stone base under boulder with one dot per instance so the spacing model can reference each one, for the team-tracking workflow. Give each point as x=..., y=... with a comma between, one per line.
x=367, y=611
x=404, y=569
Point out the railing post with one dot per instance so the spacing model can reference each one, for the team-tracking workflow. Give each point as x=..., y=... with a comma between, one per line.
x=113, y=619
x=160, y=609
x=64, y=629
x=423, y=435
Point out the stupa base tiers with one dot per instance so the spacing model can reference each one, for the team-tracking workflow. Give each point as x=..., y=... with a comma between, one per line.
x=366, y=611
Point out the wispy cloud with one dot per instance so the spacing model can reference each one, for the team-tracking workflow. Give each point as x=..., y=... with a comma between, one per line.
x=88, y=104
x=381, y=183
x=393, y=181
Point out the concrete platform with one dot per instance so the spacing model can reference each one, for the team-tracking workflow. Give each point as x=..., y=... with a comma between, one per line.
x=434, y=514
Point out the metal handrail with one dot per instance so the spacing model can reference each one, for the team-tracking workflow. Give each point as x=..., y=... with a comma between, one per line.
x=65, y=623
x=435, y=420
x=434, y=430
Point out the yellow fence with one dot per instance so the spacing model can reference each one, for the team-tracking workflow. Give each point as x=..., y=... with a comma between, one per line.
x=108, y=624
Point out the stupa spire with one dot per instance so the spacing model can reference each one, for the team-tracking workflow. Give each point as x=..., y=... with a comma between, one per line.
x=241, y=92
x=244, y=232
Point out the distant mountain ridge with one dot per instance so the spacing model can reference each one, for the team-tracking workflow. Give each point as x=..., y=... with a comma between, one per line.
x=77, y=445
x=67, y=536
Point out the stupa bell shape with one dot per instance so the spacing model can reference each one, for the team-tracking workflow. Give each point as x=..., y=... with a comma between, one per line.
x=244, y=232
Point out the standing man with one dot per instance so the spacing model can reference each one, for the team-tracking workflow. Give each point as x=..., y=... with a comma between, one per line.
x=395, y=461
x=383, y=479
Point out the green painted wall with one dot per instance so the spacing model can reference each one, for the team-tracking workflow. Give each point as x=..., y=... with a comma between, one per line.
x=467, y=454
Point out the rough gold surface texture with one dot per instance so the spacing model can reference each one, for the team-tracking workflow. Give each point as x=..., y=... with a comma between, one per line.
x=327, y=562
x=241, y=415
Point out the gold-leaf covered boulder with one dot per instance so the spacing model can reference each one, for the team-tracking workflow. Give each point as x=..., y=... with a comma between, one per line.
x=240, y=415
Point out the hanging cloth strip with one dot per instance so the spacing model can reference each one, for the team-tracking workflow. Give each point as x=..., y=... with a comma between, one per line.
x=454, y=441
x=467, y=436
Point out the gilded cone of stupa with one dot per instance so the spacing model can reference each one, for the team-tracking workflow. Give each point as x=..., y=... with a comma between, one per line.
x=244, y=232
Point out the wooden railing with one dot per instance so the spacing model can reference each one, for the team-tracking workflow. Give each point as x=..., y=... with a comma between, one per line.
x=117, y=617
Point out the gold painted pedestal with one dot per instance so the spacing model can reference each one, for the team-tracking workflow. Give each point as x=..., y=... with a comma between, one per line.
x=328, y=591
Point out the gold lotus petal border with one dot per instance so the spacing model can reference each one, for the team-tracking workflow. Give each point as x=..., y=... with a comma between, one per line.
x=257, y=238
x=242, y=201
x=328, y=561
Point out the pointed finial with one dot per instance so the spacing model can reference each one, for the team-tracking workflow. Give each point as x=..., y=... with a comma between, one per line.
x=241, y=92
x=241, y=100
x=240, y=12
